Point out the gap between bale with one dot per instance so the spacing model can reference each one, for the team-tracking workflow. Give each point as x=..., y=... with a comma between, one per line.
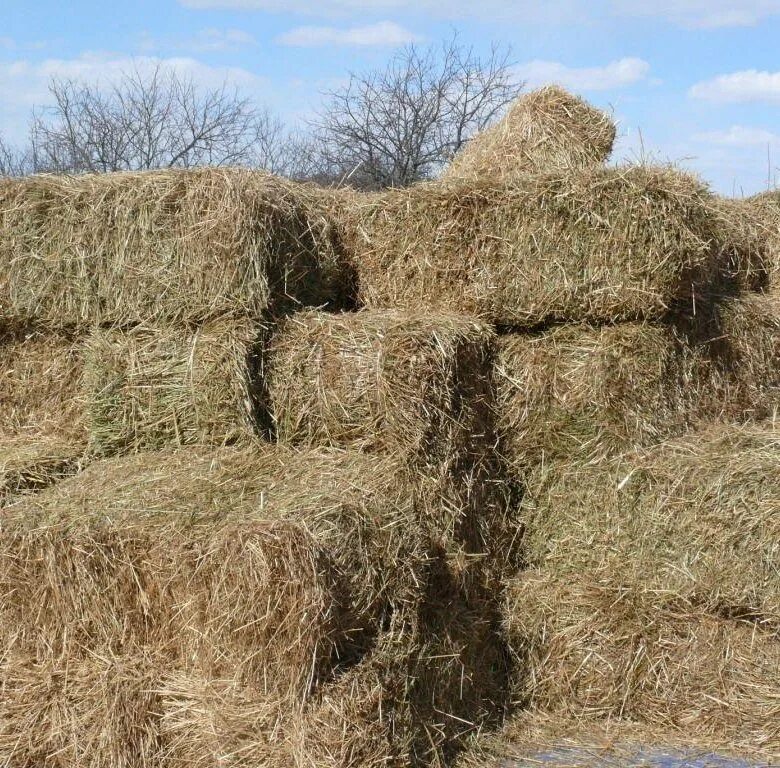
x=148, y=388
x=546, y=129
x=176, y=246
x=597, y=244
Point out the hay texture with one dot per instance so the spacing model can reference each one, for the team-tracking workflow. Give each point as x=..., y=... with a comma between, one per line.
x=544, y=130
x=693, y=520
x=592, y=391
x=597, y=244
x=186, y=245
x=613, y=649
x=767, y=206
x=148, y=388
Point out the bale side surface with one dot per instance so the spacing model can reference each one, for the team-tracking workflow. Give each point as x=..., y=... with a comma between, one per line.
x=546, y=129
x=695, y=519
x=184, y=245
x=149, y=388
x=605, y=648
x=594, y=245
x=592, y=392
x=265, y=564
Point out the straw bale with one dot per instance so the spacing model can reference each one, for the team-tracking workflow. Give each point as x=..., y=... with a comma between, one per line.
x=266, y=565
x=598, y=244
x=609, y=648
x=546, y=129
x=592, y=391
x=149, y=388
x=40, y=381
x=179, y=245
x=767, y=206
x=695, y=519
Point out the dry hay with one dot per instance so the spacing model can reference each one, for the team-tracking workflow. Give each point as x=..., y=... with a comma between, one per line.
x=592, y=391
x=416, y=386
x=149, y=388
x=544, y=130
x=747, y=353
x=695, y=519
x=595, y=244
x=175, y=245
x=607, y=648
x=531, y=739
x=40, y=381
x=767, y=206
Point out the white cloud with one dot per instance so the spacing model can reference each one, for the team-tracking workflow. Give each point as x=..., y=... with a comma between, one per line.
x=24, y=84
x=748, y=85
x=702, y=13
x=739, y=136
x=616, y=74
x=385, y=33
x=205, y=41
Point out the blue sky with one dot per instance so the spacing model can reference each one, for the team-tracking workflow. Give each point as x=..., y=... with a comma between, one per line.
x=692, y=81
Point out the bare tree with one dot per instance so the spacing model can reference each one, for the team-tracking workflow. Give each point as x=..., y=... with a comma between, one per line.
x=400, y=125
x=159, y=120
x=12, y=161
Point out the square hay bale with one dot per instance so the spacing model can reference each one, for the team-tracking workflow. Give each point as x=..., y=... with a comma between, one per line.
x=149, y=388
x=597, y=244
x=545, y=129
x=767, y=206
x=608, y=648
x=175, y=245
x=267, y=565
x=695, y=520
x=592, y=391
x=40, y=383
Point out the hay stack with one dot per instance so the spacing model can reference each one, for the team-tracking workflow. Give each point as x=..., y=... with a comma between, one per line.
x=767, y=207
x=592, y=391
x=598, y=244
x=149, y=388
x=547, y=129
x=609, y=648
x=694, y=520
x=163, y=245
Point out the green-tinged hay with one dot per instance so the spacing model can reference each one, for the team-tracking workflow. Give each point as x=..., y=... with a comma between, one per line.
x=149, y=388
x=40, y=382
x=32, y=463
x=748, y=356
x=696, y=519
x=544, y=130
x=94, y=712
x=181, y=245
x=592, y=391
x=598, y=244
x=605, y=648
x=266, y=565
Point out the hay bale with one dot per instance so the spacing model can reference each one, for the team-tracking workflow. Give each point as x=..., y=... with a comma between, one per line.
x=694, y=520
x=174, y=245
x=592, y=391
x=604, y=648
x=40, y=382
x=767, y=207
x=148, y=388
x=596, y=245
x=265, y=564
x=544, y=130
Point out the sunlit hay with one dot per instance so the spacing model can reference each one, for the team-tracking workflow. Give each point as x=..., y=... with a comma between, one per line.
x=601, y=646
x=97, y=711
x=31, y=463
x=149, y=388
x=544, y=130
x=40, y=381
x=767, y=206
x=530, y=738
x=748, y=355
x=266, y=565
x=176, y=245
x=695, y=519
x=598, y=244
x=592, y=391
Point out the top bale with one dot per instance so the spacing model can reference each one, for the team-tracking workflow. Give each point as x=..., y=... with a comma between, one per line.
x=547, y=129
x=163, y=245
